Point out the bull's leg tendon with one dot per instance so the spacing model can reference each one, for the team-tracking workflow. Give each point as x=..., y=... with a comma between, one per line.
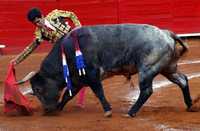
x=182, y=81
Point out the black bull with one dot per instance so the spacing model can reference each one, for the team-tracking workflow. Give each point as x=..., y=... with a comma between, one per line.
x=122, y=49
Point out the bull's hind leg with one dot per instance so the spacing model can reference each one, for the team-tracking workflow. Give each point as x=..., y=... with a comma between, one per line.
x=182, y=81
x=145, y=84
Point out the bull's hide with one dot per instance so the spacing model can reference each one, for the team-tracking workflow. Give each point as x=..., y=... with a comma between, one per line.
x=113, y=48
x=119, y=49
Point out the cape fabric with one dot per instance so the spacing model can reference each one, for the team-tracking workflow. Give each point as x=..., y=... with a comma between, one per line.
x=13, y=98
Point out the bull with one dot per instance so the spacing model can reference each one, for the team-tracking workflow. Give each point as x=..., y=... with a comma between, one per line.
x=112, y=49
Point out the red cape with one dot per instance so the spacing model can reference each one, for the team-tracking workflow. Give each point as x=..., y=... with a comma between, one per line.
x=13, y=98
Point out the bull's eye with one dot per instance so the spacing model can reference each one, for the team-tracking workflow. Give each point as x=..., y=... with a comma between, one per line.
x=38, y=90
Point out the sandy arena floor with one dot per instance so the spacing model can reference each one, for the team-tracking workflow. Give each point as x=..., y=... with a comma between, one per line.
x=164, y=110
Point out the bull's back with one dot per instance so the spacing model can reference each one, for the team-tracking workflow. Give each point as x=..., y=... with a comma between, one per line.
x=116, y=44
x=126, y=34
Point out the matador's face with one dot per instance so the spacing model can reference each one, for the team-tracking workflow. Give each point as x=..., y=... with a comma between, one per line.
x=39, y=22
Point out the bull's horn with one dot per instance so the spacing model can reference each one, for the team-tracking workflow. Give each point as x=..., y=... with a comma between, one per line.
x=26, y=78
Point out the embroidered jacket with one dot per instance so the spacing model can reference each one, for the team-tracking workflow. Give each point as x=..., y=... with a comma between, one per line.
x=56, y=27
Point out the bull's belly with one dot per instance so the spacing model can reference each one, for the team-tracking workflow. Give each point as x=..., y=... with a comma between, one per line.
x=126, y=71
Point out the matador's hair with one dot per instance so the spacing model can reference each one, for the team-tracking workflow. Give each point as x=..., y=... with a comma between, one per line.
x=34, y=13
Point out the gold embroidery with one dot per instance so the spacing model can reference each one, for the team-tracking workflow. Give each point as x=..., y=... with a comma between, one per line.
x=51, y=35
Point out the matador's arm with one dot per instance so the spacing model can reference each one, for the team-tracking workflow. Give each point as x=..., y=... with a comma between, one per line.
x=26, y=52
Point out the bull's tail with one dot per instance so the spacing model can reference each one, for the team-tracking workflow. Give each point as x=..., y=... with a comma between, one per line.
x=184, y=45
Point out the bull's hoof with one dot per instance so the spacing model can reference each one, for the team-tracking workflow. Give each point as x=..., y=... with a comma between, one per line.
x=59, y=107
x=108, y=114
x=195, y=106
x=193, y=109
x=128, y=115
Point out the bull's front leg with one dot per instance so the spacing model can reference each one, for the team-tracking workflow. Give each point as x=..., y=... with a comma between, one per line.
x=66, y=98
x=99, y=92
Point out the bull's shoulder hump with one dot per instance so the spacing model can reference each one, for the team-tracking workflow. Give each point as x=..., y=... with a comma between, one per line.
x=114, y=28
x=117, y=25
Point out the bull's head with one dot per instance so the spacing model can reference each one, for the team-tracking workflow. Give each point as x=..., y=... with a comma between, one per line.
x=47, y=91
